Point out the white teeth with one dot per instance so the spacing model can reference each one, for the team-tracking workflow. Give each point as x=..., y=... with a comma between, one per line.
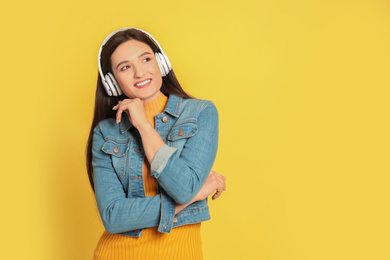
x=143, y=83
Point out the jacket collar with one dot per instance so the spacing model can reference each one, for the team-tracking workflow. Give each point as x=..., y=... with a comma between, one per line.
x=173, y=105
x=172, y=108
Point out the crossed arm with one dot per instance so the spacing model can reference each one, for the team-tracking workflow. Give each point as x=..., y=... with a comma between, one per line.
x=120, y=214
x=193, y=174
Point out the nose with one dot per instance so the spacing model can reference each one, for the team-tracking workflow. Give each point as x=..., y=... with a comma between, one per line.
x=138, y=72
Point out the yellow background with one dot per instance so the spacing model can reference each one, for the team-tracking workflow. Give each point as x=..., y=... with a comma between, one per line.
x=302, y=89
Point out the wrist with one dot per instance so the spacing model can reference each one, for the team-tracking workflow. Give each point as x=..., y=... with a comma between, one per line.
x=197, y=198
x=145, y=127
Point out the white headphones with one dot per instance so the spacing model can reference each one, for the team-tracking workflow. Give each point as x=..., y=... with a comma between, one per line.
x=110, y=85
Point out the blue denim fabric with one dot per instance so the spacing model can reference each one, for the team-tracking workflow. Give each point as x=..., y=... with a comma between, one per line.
x=181, y=167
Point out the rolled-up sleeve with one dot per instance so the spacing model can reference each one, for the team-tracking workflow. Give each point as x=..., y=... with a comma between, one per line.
x=160, y=159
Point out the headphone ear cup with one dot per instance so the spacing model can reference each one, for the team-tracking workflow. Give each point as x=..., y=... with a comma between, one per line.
x=163, y=63
x=107, y=84
x=112, y=86
x=160, y=65
x=167, y=62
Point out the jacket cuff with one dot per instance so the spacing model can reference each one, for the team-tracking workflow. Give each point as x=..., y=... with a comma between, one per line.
x=168, y=207
x=160, y=159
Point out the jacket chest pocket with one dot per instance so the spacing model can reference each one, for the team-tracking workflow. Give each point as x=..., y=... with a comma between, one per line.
x=181, y=132
x=118, y=149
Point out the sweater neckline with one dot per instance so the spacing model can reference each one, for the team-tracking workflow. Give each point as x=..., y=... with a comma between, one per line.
x=157, y=105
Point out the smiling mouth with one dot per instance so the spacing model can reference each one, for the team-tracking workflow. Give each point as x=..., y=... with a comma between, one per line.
x=143, y=83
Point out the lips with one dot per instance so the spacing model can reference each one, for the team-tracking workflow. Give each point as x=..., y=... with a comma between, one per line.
x=143, y=84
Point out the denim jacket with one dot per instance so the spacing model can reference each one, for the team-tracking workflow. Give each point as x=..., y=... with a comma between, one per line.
x=189, y=128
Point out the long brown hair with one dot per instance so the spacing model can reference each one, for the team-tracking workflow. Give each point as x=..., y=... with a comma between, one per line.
x=104, y=103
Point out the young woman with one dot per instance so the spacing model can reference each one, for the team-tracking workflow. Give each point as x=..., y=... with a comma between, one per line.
x=150, y=153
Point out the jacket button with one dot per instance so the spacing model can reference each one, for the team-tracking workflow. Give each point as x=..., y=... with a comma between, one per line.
x=116, y=150
x=164, y=119
x=175, y=220
x=181, y=132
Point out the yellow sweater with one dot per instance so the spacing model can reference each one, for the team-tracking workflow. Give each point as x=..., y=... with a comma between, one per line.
x=182, y=243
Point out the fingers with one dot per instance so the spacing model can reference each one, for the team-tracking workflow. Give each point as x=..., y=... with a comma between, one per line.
x=122, y=106
x=119, y=111
x=135, y=111
x=216, y=195
x=215, y=183
x=117, y=105
x=220, y=181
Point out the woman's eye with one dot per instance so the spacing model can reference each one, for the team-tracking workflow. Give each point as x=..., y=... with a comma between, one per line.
x=146, y=59
x=125, y=67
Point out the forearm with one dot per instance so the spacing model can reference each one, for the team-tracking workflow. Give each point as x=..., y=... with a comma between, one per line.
x=180, y=207
x=125, y=214
x=120, y=213
x=182, y=172
x=185, y=186
x=151, y=141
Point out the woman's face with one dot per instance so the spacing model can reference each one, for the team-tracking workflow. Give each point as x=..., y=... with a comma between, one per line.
x=136, y=70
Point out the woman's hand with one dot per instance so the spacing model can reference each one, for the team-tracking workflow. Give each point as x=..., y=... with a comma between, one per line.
x=214, y=182
x=134, y=108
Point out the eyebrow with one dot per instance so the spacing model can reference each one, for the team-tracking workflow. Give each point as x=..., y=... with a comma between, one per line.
x=125, y=61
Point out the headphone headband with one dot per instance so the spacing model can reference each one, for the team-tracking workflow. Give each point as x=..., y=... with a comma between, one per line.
x=110, y=84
